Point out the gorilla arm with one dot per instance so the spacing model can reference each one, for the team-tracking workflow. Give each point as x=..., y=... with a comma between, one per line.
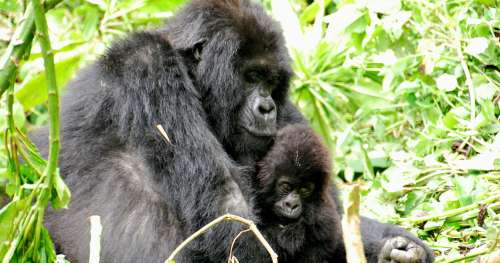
x=386, y=242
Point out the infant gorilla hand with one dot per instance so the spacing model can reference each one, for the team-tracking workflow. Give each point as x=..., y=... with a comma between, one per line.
x=402, y=250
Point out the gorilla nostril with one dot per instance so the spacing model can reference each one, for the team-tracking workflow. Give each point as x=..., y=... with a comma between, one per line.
x=291, y=205
x=265, y=108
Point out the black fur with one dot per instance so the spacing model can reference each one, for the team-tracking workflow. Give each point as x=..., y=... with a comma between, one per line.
x=151, y=194
x=299, y=157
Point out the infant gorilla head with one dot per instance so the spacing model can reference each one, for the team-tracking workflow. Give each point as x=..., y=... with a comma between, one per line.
x=293, y=197
x=293, y=175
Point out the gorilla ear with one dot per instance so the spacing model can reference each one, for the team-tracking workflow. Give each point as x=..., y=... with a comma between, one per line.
x=192, y=54
x=198, y=48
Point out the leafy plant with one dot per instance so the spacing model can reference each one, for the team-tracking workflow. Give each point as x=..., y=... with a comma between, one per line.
x=407, y=94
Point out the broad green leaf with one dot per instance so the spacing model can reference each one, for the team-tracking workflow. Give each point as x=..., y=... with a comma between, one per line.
x=342, y=19
x=91, y=22
x=447, y=82
x=34, y=91
x=476, y=46
x=18, y=111
x=450, y=120
x=309, y=13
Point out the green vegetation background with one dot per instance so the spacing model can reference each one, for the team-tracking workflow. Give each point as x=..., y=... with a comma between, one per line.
x=406, y=93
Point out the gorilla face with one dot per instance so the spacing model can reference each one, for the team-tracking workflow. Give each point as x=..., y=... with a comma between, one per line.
x=291, y=197
x=262, y=82
x=241, y=72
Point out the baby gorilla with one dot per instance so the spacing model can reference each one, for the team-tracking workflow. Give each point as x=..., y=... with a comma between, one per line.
x=298, y=215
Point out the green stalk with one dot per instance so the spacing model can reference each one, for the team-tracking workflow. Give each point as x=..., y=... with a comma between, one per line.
x=19, y=45
x=452, y=212
x=53, y=101
x=12, y=144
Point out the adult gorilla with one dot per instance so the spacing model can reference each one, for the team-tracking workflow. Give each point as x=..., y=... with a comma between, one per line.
x=216, y=79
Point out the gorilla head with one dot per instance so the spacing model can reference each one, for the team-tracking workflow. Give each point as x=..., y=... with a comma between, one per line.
x=241, y=67
x=293, y=176
x=293, y=196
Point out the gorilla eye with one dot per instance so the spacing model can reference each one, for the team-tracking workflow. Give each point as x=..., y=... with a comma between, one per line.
x=306, y=190
x=252, y=76
x=285, y=187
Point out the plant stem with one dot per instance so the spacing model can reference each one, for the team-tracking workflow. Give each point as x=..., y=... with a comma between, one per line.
x=227, y=217
x=19, y=44
x=53, y=101
x=12, y=143
x=468, y=78
x=351, y=227
x=452, y=212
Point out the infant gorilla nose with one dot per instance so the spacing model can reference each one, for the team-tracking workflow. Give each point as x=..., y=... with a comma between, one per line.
x=290, y=207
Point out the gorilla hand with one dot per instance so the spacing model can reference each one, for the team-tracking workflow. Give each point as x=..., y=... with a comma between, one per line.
x=402, y=250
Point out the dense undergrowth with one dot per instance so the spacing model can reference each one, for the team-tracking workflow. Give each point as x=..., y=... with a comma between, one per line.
x=406, y=93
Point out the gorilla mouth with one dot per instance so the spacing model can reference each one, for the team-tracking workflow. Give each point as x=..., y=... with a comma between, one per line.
x=287, y=216
x=258, y=132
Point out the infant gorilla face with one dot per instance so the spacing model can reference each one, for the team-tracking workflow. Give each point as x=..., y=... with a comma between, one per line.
x=293, y=175
x=291, y=197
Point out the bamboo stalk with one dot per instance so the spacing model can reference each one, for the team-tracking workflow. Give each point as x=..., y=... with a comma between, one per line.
x=53, y=97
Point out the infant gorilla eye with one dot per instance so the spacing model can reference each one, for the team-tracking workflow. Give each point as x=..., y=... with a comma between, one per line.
x=306, y=190
x=285, y=187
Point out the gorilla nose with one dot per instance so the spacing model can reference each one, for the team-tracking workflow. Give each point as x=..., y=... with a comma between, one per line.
x=265, y=109
x=292, y=204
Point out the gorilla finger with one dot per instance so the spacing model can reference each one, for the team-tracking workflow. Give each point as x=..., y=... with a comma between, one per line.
x=401, y=256
x=399, y=242
x=417, y=251
x=385, y=252
x=411, y=256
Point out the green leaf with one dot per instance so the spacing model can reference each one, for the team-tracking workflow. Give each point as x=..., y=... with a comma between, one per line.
x=18, y=111
x=100, y=3
x=47, y=245
x=8, y=215
x=34, y=90
x=342, y=19
x=447, y=82
x=386, y=7
x=9, y=6
x=463, y=189
x=450, y=120
x=476, y=46
x=62, y=195
x=91, y=22
x=309, y=13
x=431, y=225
